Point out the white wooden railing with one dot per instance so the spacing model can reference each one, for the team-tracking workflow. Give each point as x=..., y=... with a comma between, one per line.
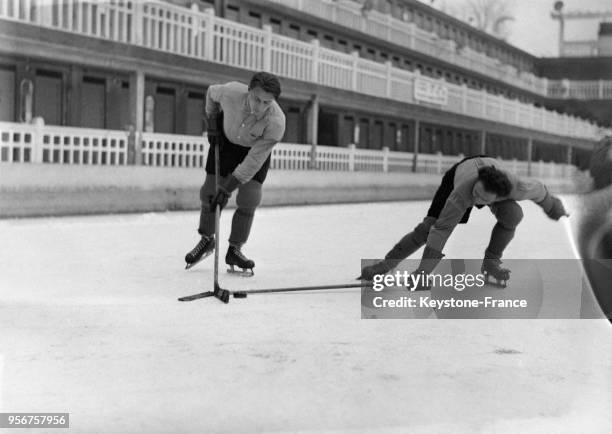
x=588, y=89
x=348, y=14
x=587, y=48
x=26, y=143
x=188, y=32
x=172, y=150
x=407, y=34
x=22, y=143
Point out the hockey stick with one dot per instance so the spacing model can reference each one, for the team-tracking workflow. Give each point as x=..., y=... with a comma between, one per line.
x=197, y=296
x=220, y=293
x=243, y=294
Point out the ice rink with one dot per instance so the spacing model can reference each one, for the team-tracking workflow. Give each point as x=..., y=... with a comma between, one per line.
x=90, y=325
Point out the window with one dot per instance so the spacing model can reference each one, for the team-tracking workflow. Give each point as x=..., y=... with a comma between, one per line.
x=48, y=96
x=232, y=12
x=294, y=31
x=92, y=107
x=164, y=110
x=7, y=94
x=328, y=41
x=194, y=122
x=254, y=19
x=276, y=25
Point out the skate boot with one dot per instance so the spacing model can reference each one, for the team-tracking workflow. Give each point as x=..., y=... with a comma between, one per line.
x=234, y=257
x=203, y=249
x=492, y=268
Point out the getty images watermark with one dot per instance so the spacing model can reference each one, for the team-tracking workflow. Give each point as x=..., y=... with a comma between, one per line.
x=458, y=288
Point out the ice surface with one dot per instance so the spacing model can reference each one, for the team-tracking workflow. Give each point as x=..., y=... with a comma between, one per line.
x=90, y=324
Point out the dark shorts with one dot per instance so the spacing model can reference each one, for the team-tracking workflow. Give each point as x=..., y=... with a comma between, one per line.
x=230, y=156
x=446, y=187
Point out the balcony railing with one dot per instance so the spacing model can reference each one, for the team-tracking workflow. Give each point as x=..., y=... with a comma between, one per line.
x=188, y=32
x=588, y=89
x=384, y=26
x=347, y=13
x=579, y=48
x=26, y=143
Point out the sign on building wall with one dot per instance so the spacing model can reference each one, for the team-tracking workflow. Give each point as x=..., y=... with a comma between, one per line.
x=431, y=91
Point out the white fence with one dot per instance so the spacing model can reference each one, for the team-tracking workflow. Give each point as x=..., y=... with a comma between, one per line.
x=24, y=143
x=188, y=32
x=172, y=150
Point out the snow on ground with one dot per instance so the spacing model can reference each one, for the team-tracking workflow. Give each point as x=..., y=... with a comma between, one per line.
x=90, y=325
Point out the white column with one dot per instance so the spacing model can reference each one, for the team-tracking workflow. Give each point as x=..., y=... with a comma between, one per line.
x=137, y=99
x=37, y=141
x=313, y=121
x=267, y=50
x=385, y=152
x=354, y=78
x=388, y=70
x=315, y=60
x=209, y=34
x=517, y=111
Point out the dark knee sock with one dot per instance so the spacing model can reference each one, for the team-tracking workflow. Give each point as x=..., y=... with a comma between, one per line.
x=241, y=226
x=207, y=222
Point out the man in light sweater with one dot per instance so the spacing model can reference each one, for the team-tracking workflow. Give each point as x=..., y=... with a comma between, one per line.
x=474, y=181
x=247, y=122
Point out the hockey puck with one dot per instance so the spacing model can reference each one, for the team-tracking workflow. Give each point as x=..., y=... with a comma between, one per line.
x=240, y=294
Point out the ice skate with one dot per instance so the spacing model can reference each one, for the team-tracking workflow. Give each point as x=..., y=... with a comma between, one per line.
x=492, y=268
x=235, y=258
x=204, y=248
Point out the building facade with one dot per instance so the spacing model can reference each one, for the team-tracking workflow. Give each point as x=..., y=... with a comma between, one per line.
x=388, y=74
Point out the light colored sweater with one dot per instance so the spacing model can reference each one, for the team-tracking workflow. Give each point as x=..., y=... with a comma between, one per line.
x=260, y=133
x=461, y=198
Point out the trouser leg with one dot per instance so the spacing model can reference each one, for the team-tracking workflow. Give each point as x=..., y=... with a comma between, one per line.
x=412, y=241
x=409, y=244
x=247, y=200
x=509, y=214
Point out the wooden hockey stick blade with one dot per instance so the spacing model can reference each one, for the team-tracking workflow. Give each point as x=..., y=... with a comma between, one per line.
x=197, y=296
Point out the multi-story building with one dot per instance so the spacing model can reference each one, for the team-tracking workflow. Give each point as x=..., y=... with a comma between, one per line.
x=399, y=76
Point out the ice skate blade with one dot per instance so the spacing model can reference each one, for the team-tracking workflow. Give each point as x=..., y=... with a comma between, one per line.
x=191, y=265
x=245, y=272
